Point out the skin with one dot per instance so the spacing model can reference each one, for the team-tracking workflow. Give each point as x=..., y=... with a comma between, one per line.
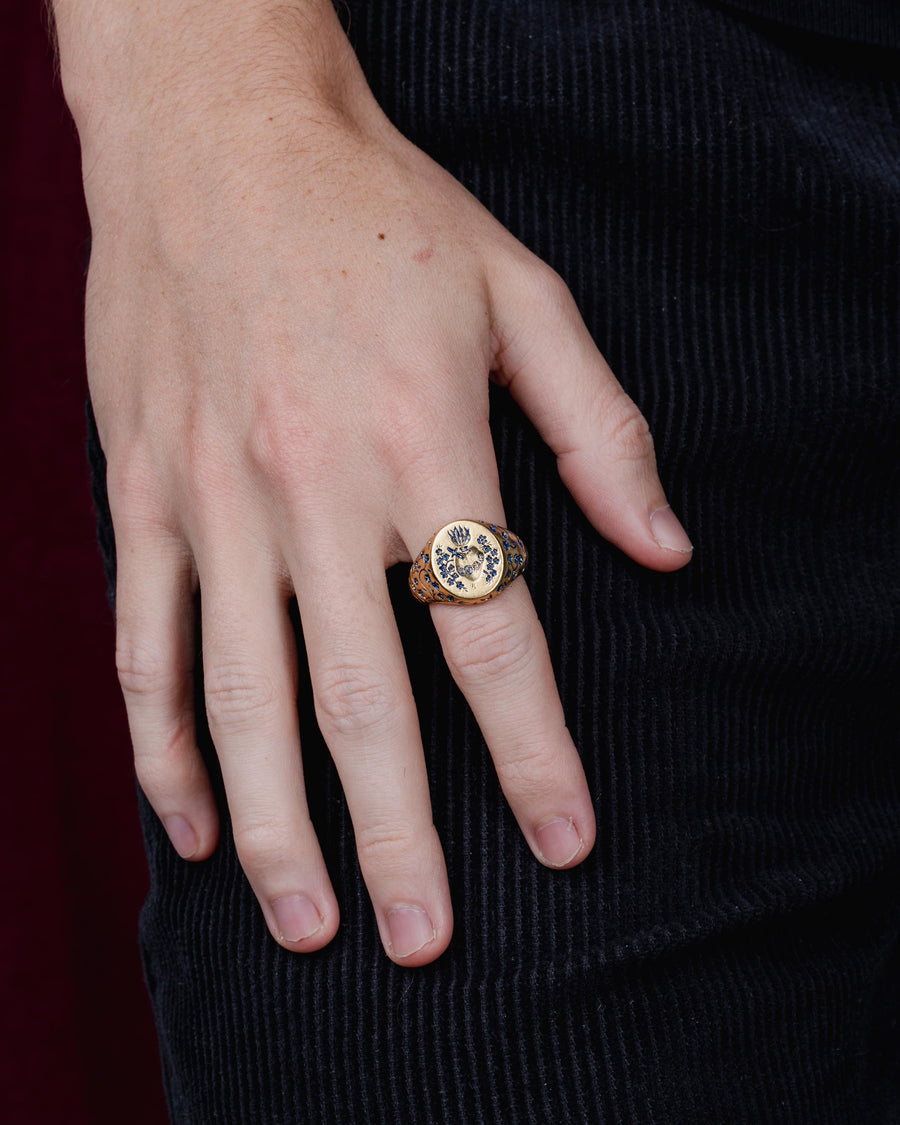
x=292, y=318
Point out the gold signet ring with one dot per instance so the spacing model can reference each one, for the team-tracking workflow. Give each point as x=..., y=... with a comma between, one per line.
x=467, y=562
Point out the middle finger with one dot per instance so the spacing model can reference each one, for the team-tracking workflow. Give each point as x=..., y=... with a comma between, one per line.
x=366, y=713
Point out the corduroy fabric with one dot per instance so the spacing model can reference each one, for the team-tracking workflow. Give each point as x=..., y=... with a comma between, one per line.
x=722, y=194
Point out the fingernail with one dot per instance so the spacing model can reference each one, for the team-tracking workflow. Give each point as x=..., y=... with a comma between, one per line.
x=668, y=532
x=559, y=841
x=297, y=917
x=184, y=839
x=410, y=928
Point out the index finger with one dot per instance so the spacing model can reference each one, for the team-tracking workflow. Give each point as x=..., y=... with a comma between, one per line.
x=605, y=452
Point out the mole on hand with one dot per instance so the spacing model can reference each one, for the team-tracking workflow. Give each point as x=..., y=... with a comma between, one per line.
x=380, y=235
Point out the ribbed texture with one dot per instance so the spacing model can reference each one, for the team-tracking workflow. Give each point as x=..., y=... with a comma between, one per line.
x=722, y=195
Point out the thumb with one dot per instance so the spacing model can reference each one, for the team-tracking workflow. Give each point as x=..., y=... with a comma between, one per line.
x=545, y=355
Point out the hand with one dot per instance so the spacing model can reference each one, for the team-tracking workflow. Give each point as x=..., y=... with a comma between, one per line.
x=291, y=321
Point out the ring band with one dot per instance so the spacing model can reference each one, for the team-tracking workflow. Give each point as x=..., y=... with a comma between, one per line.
x=467, y=562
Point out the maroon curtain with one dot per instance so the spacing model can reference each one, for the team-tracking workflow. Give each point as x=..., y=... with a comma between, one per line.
x=78, y=1041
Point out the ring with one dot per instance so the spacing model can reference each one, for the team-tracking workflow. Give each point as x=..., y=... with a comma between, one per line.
x=467, y=562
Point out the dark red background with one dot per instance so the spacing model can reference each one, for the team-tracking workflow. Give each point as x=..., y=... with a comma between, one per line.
x=78, y=1041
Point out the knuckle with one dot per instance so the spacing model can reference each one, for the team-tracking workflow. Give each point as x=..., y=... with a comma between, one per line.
x=133, y=485
x=528, y=771
x=237, y=694
x=142, y=671
x=285, y=441
x=170, y=768
x=489, y=650
x=263, y=842
x=630, y=434
x=160, y=780
x=552, y=291
x=352, y=699
x=385, y=845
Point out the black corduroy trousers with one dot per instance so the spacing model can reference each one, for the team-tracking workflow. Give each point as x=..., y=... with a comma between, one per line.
x=722, y=194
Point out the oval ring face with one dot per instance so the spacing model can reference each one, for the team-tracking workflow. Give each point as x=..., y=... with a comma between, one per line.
x=467, y=559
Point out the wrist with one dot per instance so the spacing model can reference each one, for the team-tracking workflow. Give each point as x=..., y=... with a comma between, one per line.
x=129, y=71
